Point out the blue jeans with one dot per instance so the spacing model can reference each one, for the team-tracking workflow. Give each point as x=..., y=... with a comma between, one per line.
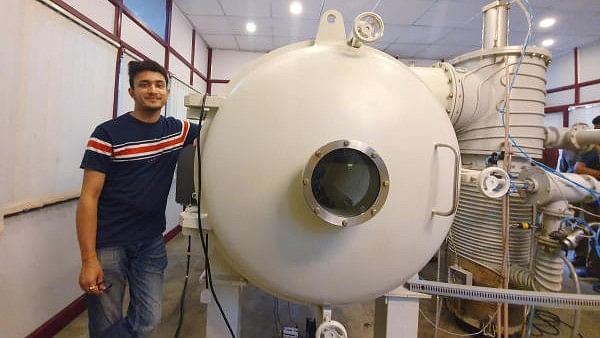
x=142, y=266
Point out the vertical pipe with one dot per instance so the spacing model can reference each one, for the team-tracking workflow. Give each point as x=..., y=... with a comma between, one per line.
x=193, y=57
x=167, y=45
x=209, y=72
x=120, y=51
x=117, y=31
x=576, y=75
x=495, y=25
x=505, y=199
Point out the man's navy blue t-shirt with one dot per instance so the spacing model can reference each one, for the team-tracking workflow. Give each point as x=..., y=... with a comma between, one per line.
x=138, y=160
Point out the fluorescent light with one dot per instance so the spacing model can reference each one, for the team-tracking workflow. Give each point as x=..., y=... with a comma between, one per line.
x=296, y=7
x=547, y=22
x=548, y=42
x=251, y=27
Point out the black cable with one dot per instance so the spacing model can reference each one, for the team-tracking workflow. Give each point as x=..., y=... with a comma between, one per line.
x=550, y=324
x=290, y=315
x=205, y=243
x=182, y=299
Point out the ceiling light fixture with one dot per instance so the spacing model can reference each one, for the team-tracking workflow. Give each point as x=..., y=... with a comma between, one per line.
x=547, y=22
x=251, y=27
x=548, y=42
x=296, y=8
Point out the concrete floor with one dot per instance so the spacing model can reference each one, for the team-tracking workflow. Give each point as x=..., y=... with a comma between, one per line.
x=259, y=315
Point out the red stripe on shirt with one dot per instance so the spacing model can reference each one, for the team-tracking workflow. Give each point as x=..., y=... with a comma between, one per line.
x=157, y=146
x=99, y=146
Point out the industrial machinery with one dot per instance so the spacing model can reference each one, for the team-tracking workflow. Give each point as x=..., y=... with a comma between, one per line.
x=331, y=173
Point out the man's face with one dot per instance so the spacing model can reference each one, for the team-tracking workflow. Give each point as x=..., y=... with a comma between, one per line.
x=596, y=126
x=149, y=91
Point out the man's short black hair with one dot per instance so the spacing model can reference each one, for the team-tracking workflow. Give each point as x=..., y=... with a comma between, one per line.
x=136, y=67
x=596, y=120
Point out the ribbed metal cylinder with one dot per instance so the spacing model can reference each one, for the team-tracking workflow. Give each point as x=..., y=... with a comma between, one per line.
x=480, y=127
x=548, y=267
x=476, y=233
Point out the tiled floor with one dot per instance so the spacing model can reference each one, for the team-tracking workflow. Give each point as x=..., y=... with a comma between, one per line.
x=259, y=317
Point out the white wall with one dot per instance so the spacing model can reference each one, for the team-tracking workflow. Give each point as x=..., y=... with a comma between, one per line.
x=61, y=84
x=588, y=62
x=181, y=33
x=562, y=70
x=228, y=63
x=55, y=95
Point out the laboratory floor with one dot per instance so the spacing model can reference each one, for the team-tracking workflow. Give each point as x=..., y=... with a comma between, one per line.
x=262, y=313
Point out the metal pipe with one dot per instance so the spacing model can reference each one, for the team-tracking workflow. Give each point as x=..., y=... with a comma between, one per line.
x=495, y=25
x=577, y=320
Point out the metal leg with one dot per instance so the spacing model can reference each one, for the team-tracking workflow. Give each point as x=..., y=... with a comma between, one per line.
x=397, y=314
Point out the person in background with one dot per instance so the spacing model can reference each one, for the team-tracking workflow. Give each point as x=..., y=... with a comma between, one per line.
x=568, y=158
x=586, y=254
x=128, y=169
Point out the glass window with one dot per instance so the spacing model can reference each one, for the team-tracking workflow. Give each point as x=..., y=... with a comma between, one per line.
x=153, y=13
x=346, y=182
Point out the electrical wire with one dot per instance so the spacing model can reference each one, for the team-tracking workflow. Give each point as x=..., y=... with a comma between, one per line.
x=376, y=5
x=458, y=334
x=548, y=323
x=526, y=7
x=322, y=5
x=584, y=211
x=289, y=306
x=205, y=243
x=185, y=283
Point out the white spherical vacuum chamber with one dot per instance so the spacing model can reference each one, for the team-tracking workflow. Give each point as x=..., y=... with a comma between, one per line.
x=356, y=130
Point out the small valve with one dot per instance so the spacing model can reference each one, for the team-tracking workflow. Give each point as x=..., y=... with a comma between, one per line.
x=368, y=27
x=494, y=182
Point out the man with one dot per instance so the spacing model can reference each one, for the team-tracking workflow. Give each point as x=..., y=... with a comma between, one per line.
x=588, y=162
x=128, y=169
x=586, y=254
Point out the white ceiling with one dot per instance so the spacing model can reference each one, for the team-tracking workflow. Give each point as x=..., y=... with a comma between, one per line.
x=414, y=29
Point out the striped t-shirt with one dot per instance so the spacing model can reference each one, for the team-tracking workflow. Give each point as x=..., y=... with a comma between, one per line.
x=138, y=159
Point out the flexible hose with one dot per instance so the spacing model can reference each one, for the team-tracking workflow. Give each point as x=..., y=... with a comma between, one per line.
x=577, y=319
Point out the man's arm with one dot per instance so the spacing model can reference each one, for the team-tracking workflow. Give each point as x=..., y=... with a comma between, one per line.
x=91, y=272
x=581, y=168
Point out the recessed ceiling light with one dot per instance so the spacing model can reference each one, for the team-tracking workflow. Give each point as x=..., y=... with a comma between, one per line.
x=251, y=27
x=547, y=22
x=296, y=7
x=548, y=42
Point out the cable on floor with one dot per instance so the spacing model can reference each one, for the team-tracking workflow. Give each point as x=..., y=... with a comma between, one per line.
x=185, y=283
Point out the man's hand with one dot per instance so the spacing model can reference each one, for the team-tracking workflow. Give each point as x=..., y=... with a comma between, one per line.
x=91, y=277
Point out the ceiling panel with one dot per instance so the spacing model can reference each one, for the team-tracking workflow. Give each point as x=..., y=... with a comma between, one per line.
x=403, y=12
x=204, y=7
x=405, y=50
x=247, y=8
x=221, y=41
x=255, y=43
x=420, y=34
x=461, y=37
x=446, y=13
x=296, y=27
x=310, y=9
x=264, y=26
x=210, y=24
x=350, y=9
x=423, y=28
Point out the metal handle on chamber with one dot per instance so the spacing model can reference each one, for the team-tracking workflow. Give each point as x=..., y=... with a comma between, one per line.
x=456, y=182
